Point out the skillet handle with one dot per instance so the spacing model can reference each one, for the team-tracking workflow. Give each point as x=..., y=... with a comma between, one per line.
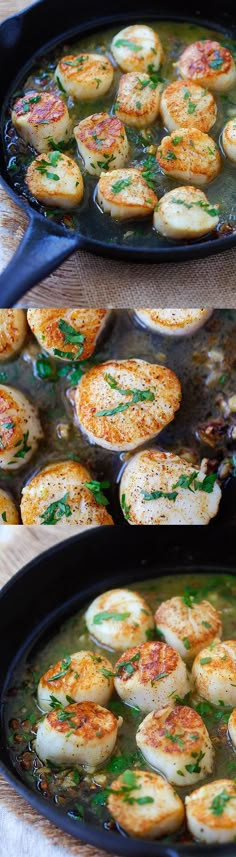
x=42, y=249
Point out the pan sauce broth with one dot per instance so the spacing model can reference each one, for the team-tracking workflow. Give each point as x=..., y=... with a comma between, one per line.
x=74, y=790
x=88, y=218
x=205, y=387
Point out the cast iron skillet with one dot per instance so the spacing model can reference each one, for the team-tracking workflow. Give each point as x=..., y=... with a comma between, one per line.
x=46, y=244
x=114, y=556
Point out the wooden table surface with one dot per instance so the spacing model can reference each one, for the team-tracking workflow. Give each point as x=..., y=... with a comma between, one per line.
x=22, y=829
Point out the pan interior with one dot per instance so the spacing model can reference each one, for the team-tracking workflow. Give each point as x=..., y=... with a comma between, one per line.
x=88, y=219
x=76, y=793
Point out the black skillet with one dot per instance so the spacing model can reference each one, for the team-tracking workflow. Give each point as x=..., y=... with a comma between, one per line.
x=53, y=586
x=33, y=32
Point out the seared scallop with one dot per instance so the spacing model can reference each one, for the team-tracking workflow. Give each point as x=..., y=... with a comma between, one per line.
x=40, y=117
x=138, y=100
x=13, y=329
x=119, y=619
x=149, y=674
x=229, y=140
x=68, y=334
x=208, y=63
x=185, y=213
x=125, y=193
x=20, y=429
x=161, y=488
x=188, y=624
x=232, y=727
x=211, y=812
x=122, y=403
x=55, y=179
x=63, y=492
x=82, y=677
x=137, y=48
x=173, y=322
x=144, y=805
x=187, y=105
x=176, y=742
x=81, y=734
x=8, y=510
x=85, y=76
x=189, y=155
x=102, y=143
x=214, y=673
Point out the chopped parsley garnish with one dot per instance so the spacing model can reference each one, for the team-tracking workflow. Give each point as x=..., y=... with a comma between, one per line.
x=33, y=100
x=125, y=508
x=190, y=597
x=194, y=767
x=108, y=614
x=136, y=396
x=176, y=739
x=177, y=140
x=155, y=495
x=125, y=43
x=128, y=665
x=104, y=165
x=96, y=489
x=120, y=185
x=24, y=447
x=72, y=336
x=169, y=157
x=207, y=483
x=65, y=666
x=150, y=171
x=217, y=60
x=4, y=517
x=220, y=801
x=206, y=660
x=158, y=677
x=186, y=642
x=57, y=510
x=213, y=212
x=44, y=167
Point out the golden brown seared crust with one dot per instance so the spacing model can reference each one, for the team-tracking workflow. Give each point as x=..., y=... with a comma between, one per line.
x=186, y=621
x=48, y=107
x=180, y=719
x=10, y=426
x=8, y=509
x=13, y=327
x=153, y=658
x=137, y=101
x=107, y=129
x=86, y=67
x=83, y=665
x=222, y=659
x=90, y=719
x=51, y=484
x=136, y=196
x=44, y=324
x=194, y=153
x=199, y=802
x=163, y=814
x=175, y=319
x=140, y=420
x=195, y=61
x=189, y=105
